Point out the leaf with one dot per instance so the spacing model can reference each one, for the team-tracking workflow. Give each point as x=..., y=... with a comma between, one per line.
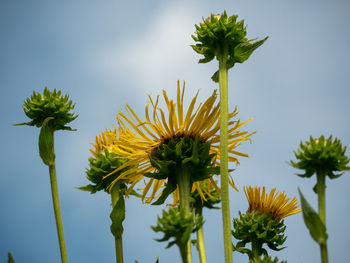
x=243, y=51
x=312, y=221
x=117, y=216
x=10, y=258
x=46, y=145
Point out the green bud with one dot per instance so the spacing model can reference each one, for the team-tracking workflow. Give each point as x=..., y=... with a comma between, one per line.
x=49, y=105
x=259, y=228
x=177, y=225
x=220, y=31
x=321, y=156
x=102, y=164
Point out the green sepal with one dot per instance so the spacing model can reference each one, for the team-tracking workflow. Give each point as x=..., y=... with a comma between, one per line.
x=46, y=143
x=169, y=188
x=240, y=247
x=331, y=175
x=215, y=77
x=134, y=193
x=10, y=258
x=243, y=50
x=312, y=221
x=89, y=188
x=273, y=247
x=117, y=216
x=22, y=123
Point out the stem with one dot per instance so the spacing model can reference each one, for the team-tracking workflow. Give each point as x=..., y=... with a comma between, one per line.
x=58, y=217
x=183, y=252
x=183, y=179
x=200, y=242
x=118, y=241
x=321, y=192
x=226, y=219
x=255, y=248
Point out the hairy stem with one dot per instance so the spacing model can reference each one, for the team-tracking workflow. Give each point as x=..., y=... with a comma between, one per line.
x=58, y=217
x=226, y=219
x=321, y=192
x=200, y=242
x=256, y=249
x=184, y=183
x=118, y=241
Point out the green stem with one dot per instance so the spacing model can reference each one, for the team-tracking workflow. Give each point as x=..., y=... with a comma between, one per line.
x=200, y=242
x=255, y=248
x=321, y=192
x=226, y=219
x=183, y=179
x=183, y=252
x=118, y=241
x=58, y=217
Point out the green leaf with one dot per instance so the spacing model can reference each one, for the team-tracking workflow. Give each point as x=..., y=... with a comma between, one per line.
x=10, y=258
x=312, y=221
x=46, y=146
x=117, y=216
x=243, y=51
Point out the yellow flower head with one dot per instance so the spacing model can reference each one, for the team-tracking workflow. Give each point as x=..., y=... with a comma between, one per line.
x=139, y=141
x=277, y=204
x=104, y=141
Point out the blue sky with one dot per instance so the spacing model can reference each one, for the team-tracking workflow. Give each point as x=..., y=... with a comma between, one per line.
x=109, y=53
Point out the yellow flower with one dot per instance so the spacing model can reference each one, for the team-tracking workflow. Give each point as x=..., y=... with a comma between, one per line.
x=139, y=140
x=275, y=203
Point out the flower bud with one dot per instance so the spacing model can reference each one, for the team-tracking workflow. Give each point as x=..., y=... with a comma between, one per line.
x=49, y=105
x=321, y=155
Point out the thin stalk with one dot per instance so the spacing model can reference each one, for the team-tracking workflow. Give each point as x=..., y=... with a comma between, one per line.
x=200, y=242
x=58, y=217
x=184, y=183
x=321, y=192
x=118, y=241
x=226, y=219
